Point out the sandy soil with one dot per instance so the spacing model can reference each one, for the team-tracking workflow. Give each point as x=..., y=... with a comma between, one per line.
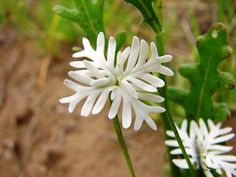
x=38, y=138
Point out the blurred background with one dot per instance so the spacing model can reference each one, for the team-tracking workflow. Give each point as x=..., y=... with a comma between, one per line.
x=38, y=138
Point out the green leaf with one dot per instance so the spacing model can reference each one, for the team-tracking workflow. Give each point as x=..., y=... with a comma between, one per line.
x=70, y=14
x=205, y=77
x=120, y=39
x=88, y=14
x=221, y=111
x=146, y=7
x=157, y=7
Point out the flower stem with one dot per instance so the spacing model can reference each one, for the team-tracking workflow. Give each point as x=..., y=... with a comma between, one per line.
x=123, y=145
x=167, y=118
x=173, y=127
x=167, y=115
x=175, y=172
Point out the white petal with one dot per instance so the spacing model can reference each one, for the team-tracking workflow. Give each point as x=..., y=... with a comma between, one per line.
x=219, y=171
x=73, y=104
x=142, y=54
x=101, y=82
x=138, y=123
x=113, y=94
x=156, y=109
x=228, y=173
x=134, y=51
x=211, y=162
x=181, y=163
x=227, y=158
x=72, y=100
x=68, y=99
x=93, y=69
x=151, y=79
x=76, y=87
x=150, y=97
x=203, y=127
x=154, y=51
x=223, y=138
x=79, y=77
x=170, y=133
x=217, y=132
x=210, y=124
x=114, y=106
x=121, y=60
x=130, y=89
x=120, y=64
x=87, y=50
x=126, y=113
x=184, y=125
x=193, y=130
x=218, y=125
x=77, y=64
x=84, y=72
x=142, y=85
x=165, y=58
x=221, y=148
x=101, y=102
x=100, y=43
x=120, y=56
x=172, y=143
x=87, y=107
x=111, y=51
x=178, y=151
x=79, y=54
x=154, y=66
x=125, y=54
x=165, y=71
x=86, y=44
x=150, y=122
x=225, y=130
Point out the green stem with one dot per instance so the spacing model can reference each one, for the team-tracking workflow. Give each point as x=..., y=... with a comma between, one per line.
x=175, y=172
x=167, y=115
x=123, y=145
x=152, y=19
x=167, y=118
x=177, y=137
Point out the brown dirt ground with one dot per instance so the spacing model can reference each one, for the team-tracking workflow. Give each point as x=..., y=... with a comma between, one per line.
x=38, y=138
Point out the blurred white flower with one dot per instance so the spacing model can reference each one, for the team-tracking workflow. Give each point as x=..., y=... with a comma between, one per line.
x=126, y=77
x=205, y=147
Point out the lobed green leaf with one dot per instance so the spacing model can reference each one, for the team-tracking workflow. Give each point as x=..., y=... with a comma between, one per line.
x=205, y=77
x=88, y=14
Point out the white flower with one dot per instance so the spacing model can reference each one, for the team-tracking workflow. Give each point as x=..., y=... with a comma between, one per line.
x=205, y=147
x=126, y=77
